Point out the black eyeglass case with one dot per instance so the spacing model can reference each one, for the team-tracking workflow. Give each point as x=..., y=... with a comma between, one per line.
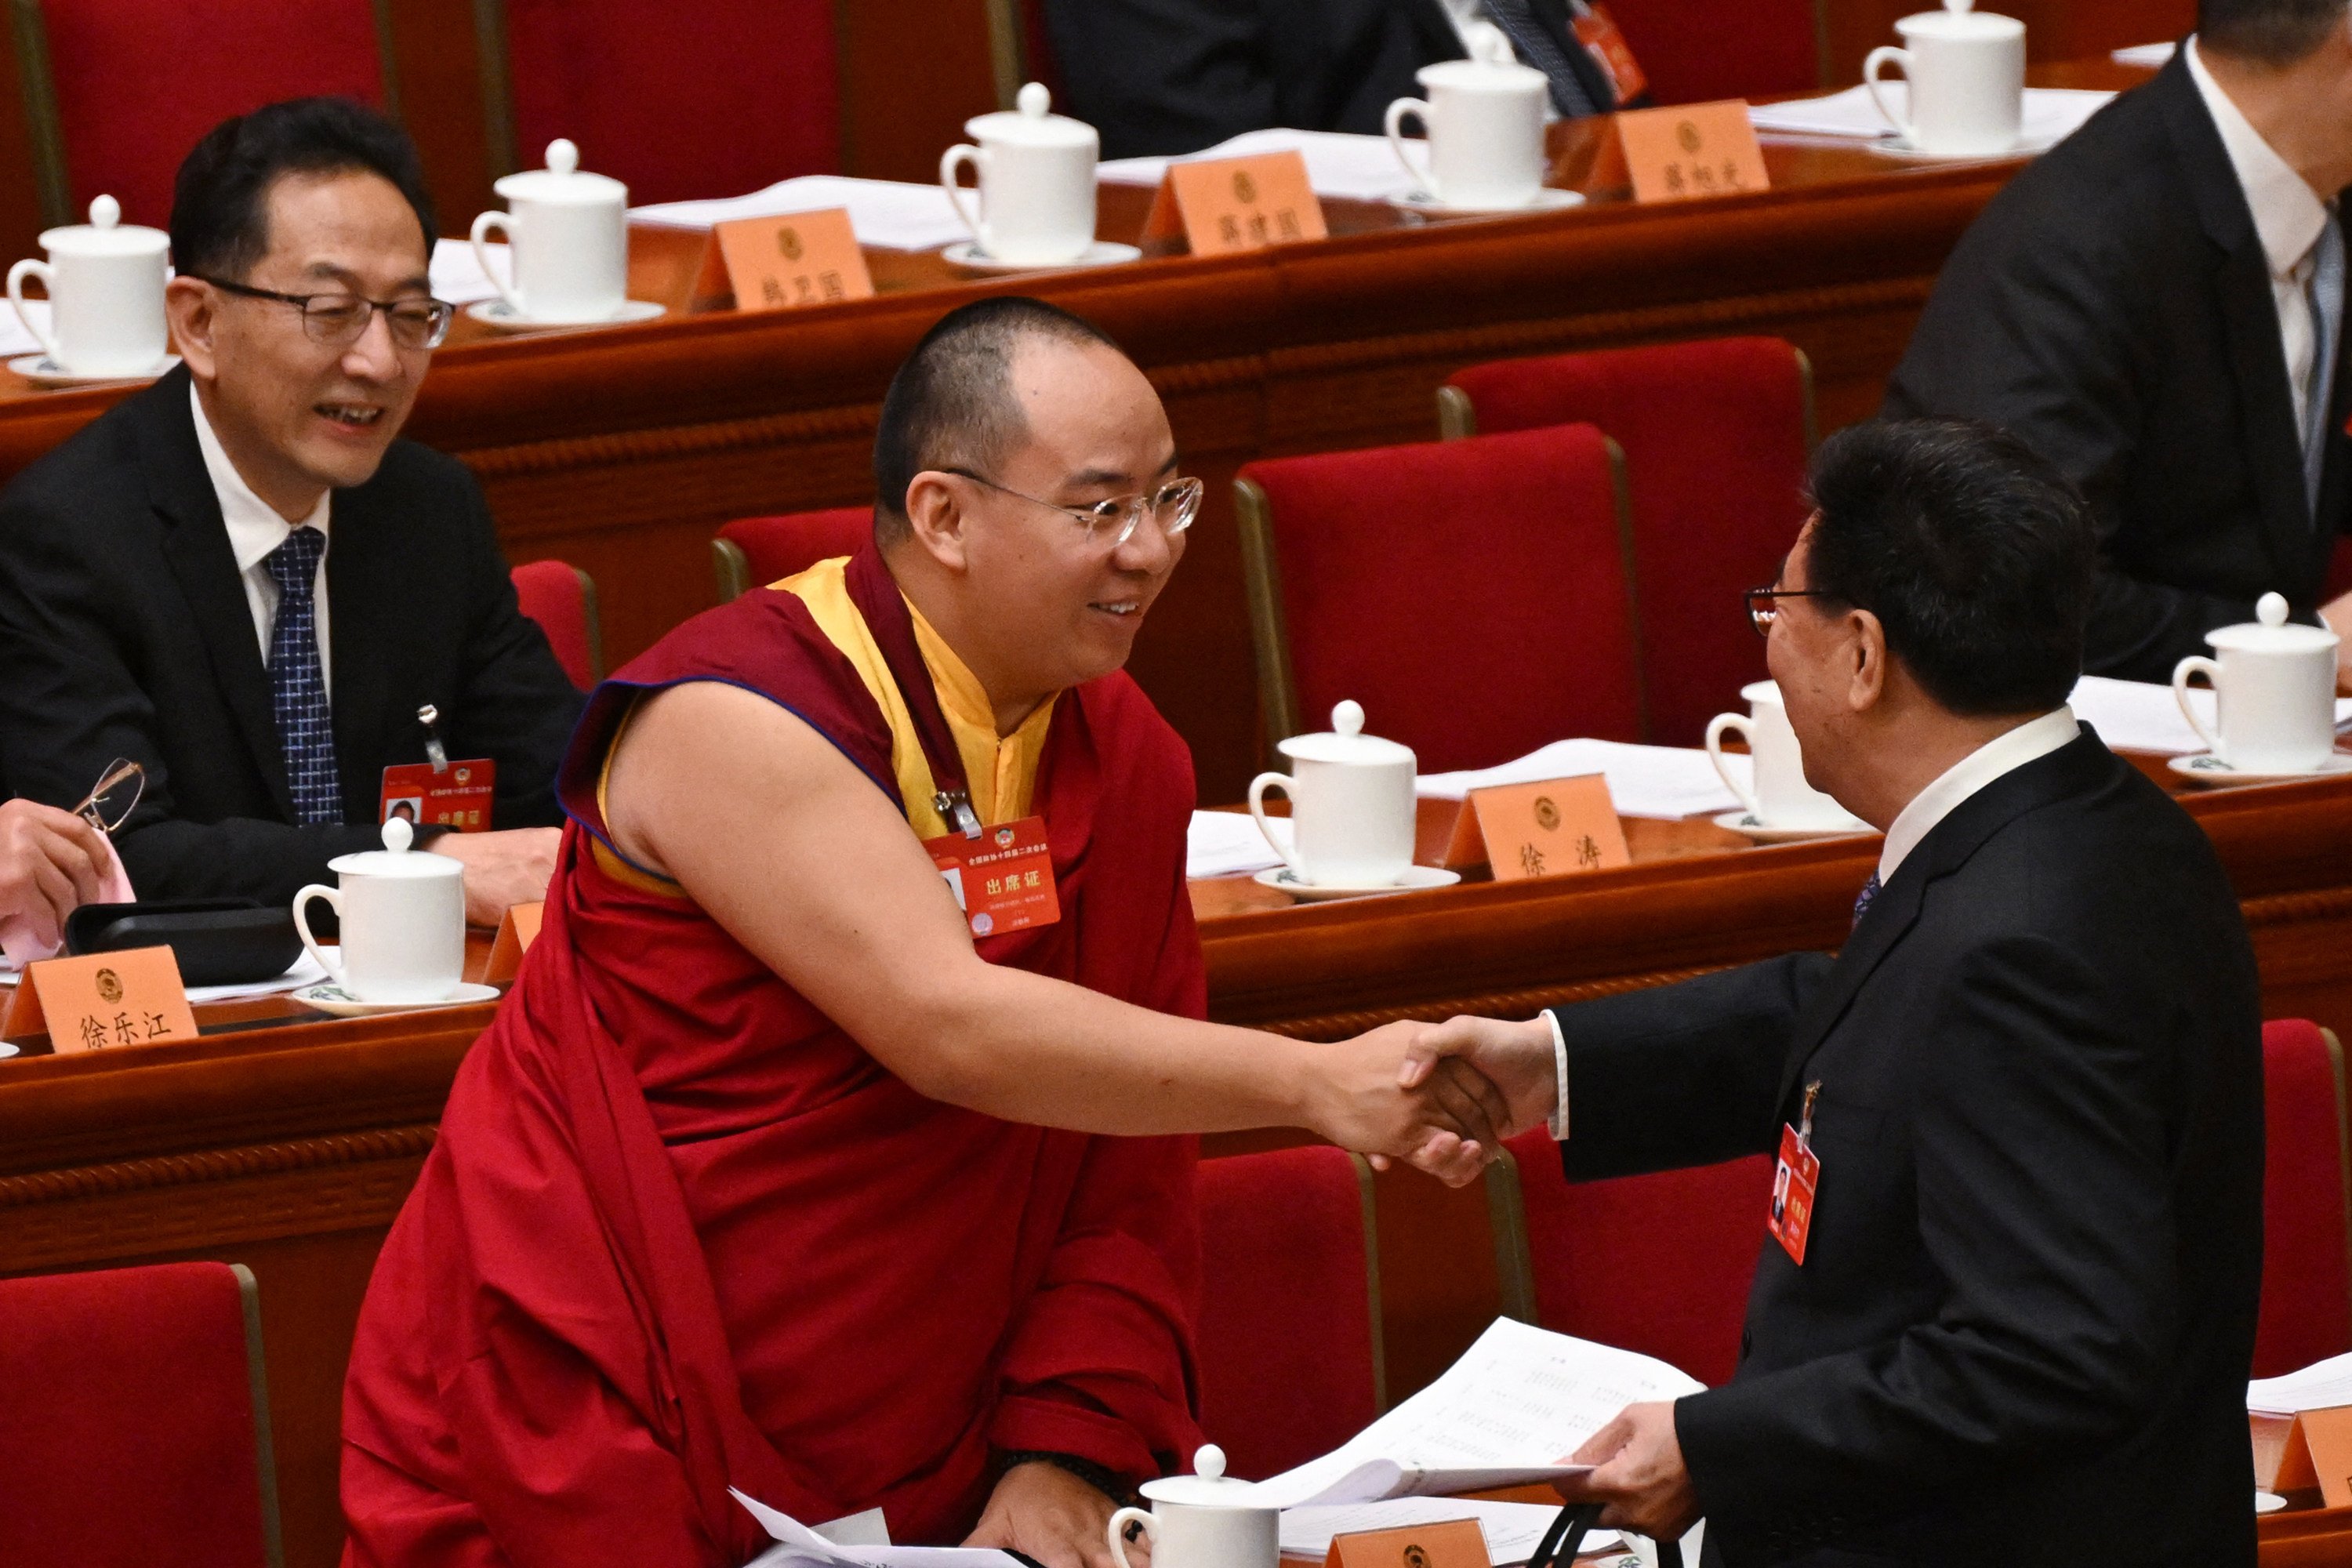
x=217, y=942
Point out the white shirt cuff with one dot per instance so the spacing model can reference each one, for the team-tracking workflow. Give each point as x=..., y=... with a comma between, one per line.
x=1558, y=1123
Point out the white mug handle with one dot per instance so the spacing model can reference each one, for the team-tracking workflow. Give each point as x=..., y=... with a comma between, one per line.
x=30, y=268
x=302, y=924
x=1126, y=1516
x=1398, y=111
x=504, y=224
x=2196, y=664
x=1289, y=786
x=1715, y=729
x=1884, y=55
x=950, y=161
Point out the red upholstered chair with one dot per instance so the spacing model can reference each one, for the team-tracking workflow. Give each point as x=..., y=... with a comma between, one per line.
x=134, y=1428
x=753, y=551
x=715, y=101
x=1694, y=51
x=1658, y=1264
x=2306, y=1312
x=1474, y=596
x=136, y=82
x=1715, y=435
x=562, y=599
x=1289, y=1336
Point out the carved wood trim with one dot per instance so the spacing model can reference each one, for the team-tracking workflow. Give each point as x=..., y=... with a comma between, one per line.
x=215, y=1165
x=857, y=420
x=2295, y=909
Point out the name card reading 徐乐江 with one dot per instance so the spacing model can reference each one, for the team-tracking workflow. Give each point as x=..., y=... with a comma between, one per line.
x=103, y=1000
x=1457, y=1544
x=1550, y=829
x=1691, y=150
x=785, y=261
x=1230, y=205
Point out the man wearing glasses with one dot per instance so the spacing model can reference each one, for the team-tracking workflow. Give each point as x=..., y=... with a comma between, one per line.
x=244, y=582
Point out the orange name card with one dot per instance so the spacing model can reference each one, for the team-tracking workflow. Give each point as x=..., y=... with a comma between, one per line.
x=2319, y=1453
x=104, y=1000
x=1237, y=204
x=1551, y=828
x=1692, y=150
x=517, y=930
x=783, y=262
x=1457, y=1544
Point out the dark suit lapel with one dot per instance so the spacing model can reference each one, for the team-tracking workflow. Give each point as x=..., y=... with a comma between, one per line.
x=363, y=606
x=195, y=543
x=2336, y=473
x=1432, y=28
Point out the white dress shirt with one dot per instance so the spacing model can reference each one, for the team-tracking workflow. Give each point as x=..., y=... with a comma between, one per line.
x=254, y=530
x=2289, y=219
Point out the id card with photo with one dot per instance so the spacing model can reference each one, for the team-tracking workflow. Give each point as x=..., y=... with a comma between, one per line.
x=1795, y=1179
x=1004, y=880
x=458, y=796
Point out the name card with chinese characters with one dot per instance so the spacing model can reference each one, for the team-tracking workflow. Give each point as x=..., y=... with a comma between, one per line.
x=1551, y=828
x=518, y=928
x=1233, y=204
x=104, y=1000
x=1692, y=150
x=787, y=260
x=1457, y=1544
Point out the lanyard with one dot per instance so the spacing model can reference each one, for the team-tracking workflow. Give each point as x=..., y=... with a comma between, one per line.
x=876, y=596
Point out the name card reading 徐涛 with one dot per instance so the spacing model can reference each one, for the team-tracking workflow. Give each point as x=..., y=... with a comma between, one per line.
x=1551, y=827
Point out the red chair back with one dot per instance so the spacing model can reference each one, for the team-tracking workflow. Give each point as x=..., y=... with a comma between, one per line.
x=1716, y=436
x=1696, y=51
x=1290, y=1332
x=138, y=82
x=1658, y=1264
x=135, y=1428
x=753, y=551
x=2306, y=1313
x=562, y=600
x=1473, y=595
x=734, y=95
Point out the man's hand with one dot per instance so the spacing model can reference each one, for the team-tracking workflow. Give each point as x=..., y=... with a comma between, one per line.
x=2338, y=614
x=1444, y=1124
x=1514, y=1061
x=1638, y=1472
x=51, y=862
x=1045, y=1511
x=503, y=869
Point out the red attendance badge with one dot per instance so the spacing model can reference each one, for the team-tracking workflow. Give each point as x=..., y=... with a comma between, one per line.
x=1004, y=880
x=1794, y=1181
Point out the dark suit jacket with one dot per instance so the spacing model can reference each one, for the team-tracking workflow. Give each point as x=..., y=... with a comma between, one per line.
x=1175, y=76
x=2113, y=307
x=2022, y=1328
x=124, y=632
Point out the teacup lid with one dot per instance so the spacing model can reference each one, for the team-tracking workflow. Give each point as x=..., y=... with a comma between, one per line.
x=1491, y=65
x=1033, y=124
x=564, y=180
x=1346, y=742
x=1207, y=1487
x=395, y=858
x=105, y=235
x=2270, y=631
x=1959, y=19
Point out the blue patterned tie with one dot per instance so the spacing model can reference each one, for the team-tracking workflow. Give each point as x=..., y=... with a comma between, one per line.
x=298, y=687
x=1536, y=46
x=1862, y=901
x=2324, y=293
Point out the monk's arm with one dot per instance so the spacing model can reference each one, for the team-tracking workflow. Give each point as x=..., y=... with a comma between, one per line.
x=786, y=843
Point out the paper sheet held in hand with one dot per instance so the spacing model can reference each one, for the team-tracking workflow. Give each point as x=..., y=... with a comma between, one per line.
x=798, y=1545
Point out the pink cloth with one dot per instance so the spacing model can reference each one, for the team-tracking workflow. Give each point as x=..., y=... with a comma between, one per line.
x=29, y=935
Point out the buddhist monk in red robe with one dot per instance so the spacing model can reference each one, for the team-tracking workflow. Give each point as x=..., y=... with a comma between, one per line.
x=779, y=1170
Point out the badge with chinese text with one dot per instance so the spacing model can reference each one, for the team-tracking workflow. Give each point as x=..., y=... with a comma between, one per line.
x=1596, y=29
x=1795, y=1179
x=104, y=1000
x=1004, y=880
x=792, y=260
x=458, y=796
x=1692, y=150
x=1551, y=828
x=1230, y=205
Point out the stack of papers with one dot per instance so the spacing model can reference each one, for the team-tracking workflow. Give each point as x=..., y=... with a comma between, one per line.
x=1666, y=782
x=1513, y=1530
x=2052, y=113
x=884, y=213
x=2140, y=716
x=15, y=337
x=1354, y=168
x=2323, y=1385
x=457, y=275
x=1225, y=843
x=2154, y=56
x=858, y=1541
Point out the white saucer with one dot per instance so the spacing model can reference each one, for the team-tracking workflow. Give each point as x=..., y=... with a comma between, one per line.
x=967, y=254
x=38, y=370
x=1545, y=200
x=1419, y=879
x=502, y=317
x=2268, y=1503
x=6, y=1050
x=2206, y=768
x=1900, y=146
x=332, y=998
x=1741, y=823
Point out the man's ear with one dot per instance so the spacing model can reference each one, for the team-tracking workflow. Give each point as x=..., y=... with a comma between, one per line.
x=188, y=307
x=935, y=517
x=1867, y=648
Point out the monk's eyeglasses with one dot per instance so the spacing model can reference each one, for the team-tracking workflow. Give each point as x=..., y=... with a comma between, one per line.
x=1111, y=523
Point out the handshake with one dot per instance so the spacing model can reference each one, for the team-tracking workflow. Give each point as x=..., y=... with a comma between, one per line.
x=1440, y=1097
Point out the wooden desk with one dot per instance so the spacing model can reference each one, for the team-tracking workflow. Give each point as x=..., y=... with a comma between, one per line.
x=621, y=450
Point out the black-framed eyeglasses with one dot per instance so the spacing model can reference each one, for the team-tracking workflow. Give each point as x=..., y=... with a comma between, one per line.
x=336, y=320
x=1762, y=610
x=1111, y=523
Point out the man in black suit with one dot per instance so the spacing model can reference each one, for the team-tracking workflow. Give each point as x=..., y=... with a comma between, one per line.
x=2018, y=1323
x=2157, y=305
x=167, y=590
x=1162, y=77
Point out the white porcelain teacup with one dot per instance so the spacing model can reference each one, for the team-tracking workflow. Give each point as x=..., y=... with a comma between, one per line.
x=1202, y=1520
x=1780, y=797
x=105, y=282
x=1485, y=120
x=403, y=920
x=1351, y=805
x=1036, y=173
x=567, y=238
x=1965, y=76
x=2275, y=687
